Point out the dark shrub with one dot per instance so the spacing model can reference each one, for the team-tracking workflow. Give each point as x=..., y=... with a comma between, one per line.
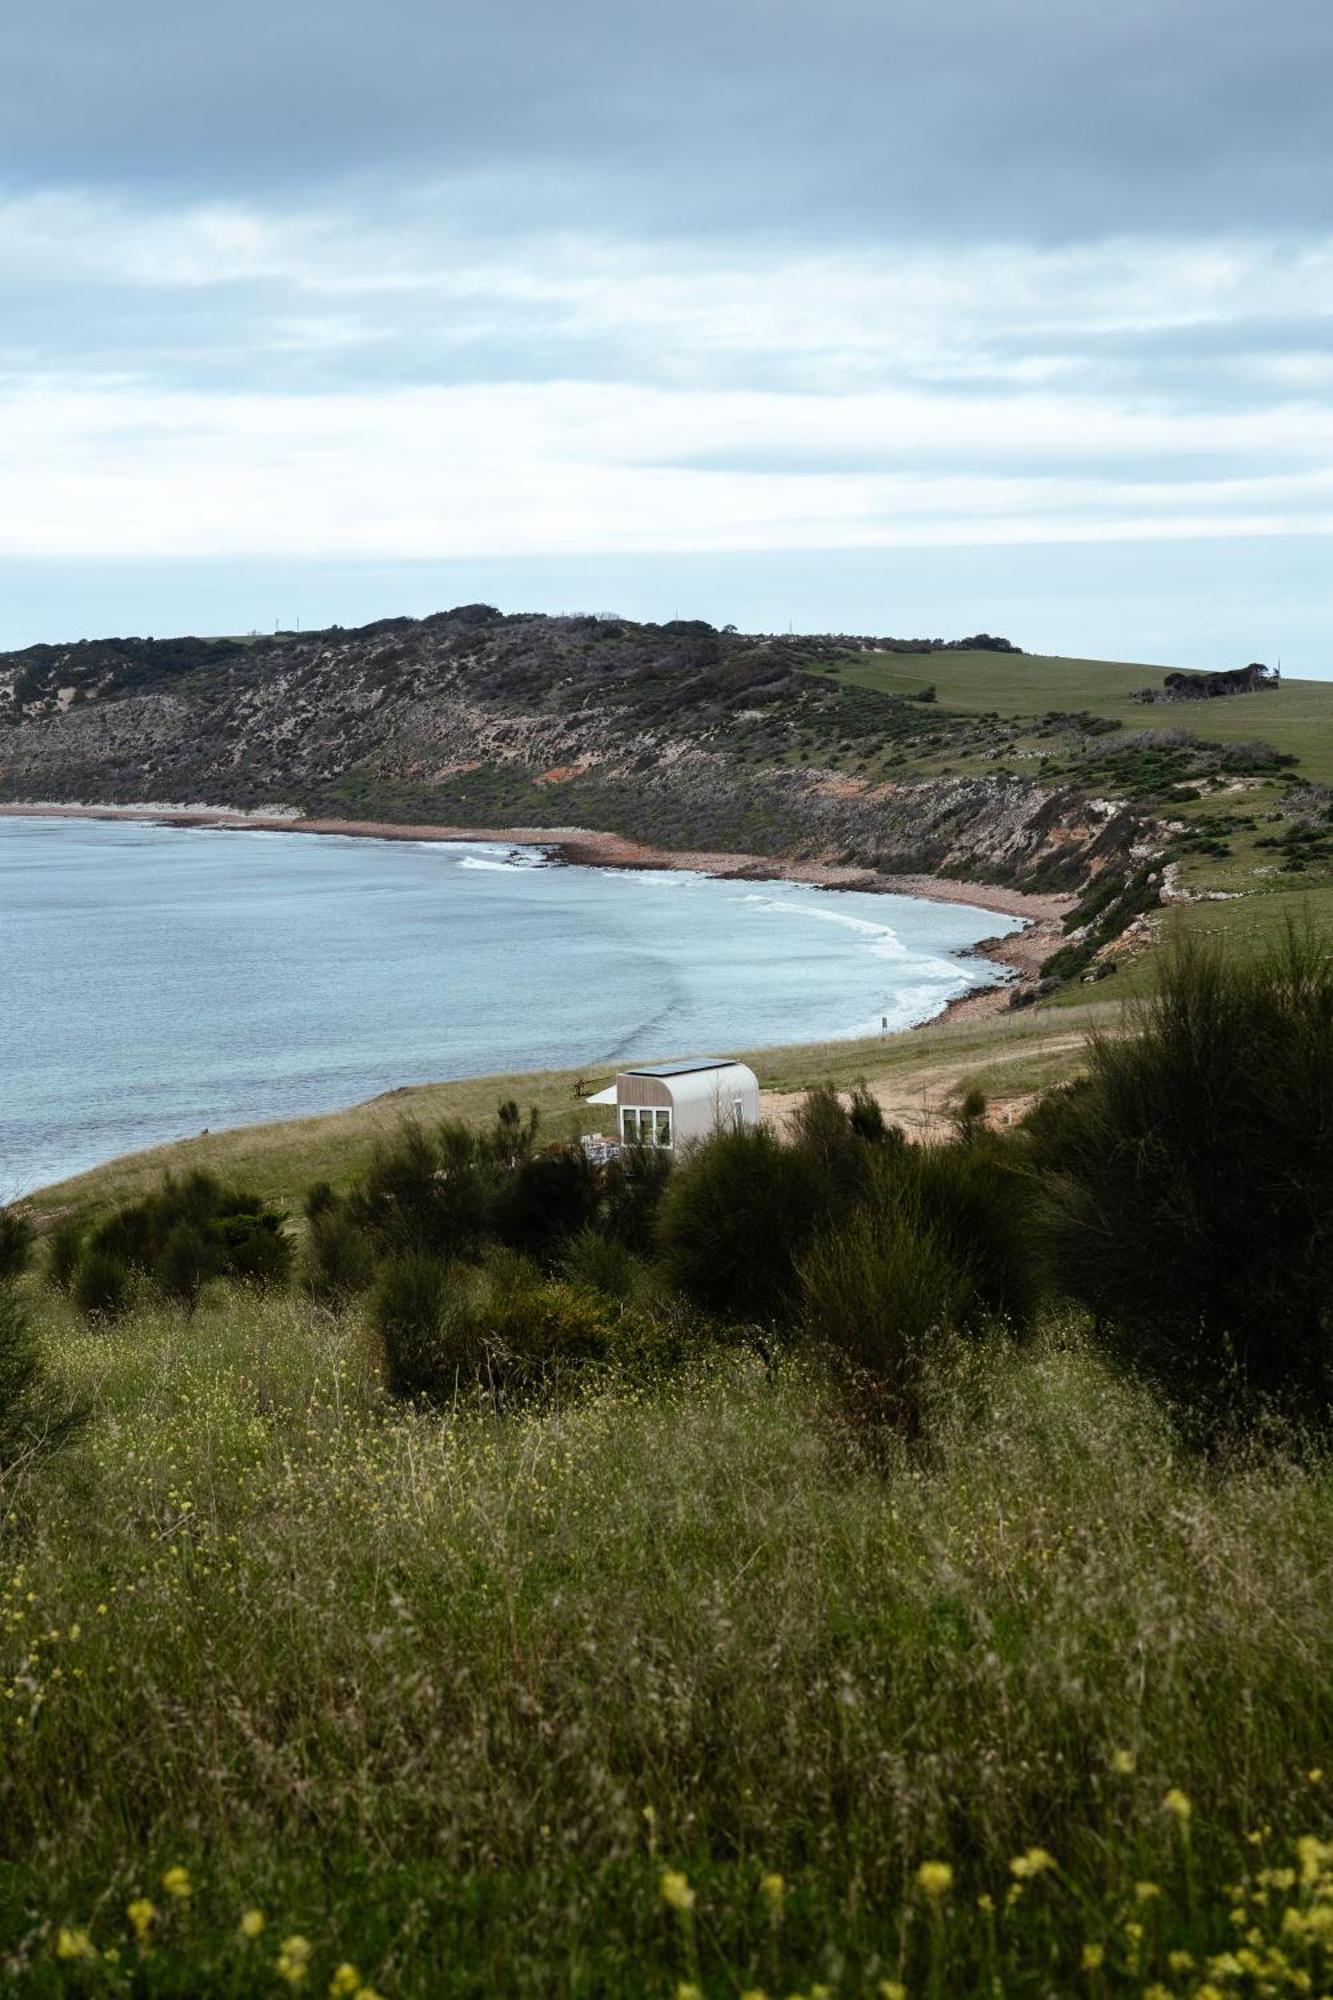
x=546, y=1201
x=531, y=1338
x=64, y=1247
x=603, y=1264
x=242, y=1237
x=34, y=1416
x=184, y=1265
x=980, y=1201
x=408, y=1314
x=633, y=1183
x=254, y=1247
x=339, y=1261
x=1190, y=1182
x=867, y=1120
x=424, y=1197
x=101, y=1285
x=736, y=1216
x=821, y=1130
x=878, y=1292
x=15, y=1244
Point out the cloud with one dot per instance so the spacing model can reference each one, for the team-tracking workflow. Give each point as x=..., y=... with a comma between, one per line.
x=785, y=117
x=532, y=468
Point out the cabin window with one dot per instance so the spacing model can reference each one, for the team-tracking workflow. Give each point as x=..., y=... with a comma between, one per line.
x=641, y=1125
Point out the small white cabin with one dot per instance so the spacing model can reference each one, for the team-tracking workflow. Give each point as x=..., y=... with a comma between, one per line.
x=668, y=1104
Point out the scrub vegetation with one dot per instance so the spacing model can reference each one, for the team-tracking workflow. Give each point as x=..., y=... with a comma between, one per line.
x=835, y=1565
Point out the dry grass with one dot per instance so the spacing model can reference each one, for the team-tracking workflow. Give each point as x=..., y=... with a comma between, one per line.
x=444, y=1695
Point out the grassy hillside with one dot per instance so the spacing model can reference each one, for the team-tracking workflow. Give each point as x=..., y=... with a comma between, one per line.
x=441, y=1699
x=1295, y=717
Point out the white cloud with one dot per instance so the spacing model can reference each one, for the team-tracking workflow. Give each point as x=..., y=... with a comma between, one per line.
x=569, y=467
x=396, y=384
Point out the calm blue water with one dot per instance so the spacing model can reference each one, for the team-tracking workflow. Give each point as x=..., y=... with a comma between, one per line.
x=155, y=981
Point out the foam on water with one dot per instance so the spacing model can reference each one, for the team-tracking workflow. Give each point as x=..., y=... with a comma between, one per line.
x=154, y=980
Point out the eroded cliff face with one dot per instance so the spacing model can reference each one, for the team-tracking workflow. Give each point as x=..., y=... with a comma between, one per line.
x=677, y=736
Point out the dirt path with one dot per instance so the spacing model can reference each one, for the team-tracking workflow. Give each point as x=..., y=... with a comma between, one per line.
x=920, y=1101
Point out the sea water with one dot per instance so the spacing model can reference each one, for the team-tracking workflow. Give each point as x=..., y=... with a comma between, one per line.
x=155, y=980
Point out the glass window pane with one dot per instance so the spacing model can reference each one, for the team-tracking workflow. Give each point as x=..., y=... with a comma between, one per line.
x=664, y=1128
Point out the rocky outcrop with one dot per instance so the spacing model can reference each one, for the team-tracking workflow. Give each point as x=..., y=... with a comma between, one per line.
x=679, y=736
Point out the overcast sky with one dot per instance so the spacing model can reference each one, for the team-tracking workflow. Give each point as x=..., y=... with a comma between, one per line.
x=904, y=316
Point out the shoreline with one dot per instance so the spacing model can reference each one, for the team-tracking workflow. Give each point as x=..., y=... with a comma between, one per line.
x=581, y=847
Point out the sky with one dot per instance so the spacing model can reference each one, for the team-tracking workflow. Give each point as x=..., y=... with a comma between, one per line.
x=910, y=317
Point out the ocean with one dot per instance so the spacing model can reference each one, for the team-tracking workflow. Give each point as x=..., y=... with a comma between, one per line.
x=155, y=981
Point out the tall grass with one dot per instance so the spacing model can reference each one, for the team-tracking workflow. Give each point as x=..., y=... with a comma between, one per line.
x=445, y=1695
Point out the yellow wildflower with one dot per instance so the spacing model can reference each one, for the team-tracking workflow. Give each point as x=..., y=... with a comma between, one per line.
x=344, y=1982
x=252, y=1923
x=891, y=1989
x=687, y=1990
x=142, y=1914
x=365, y=1993
x=754, y=1993
x=293, y=1960
x=1093, y=1954
x=1316, y=1776
x=1122, y=1763
x=772, y=1888
x=1146, y=1892
x=935, y=1879
x=177, y=1883
x=1035, y=1862
x=676, y=1891
x=1177, y=1804
x=986, y=1904
x=1314, y=1856
x=1157, y=1992
x=1180, y=1961
x=74, y=1943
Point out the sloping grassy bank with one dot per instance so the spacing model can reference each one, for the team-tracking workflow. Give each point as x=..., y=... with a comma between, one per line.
x=1007, y=1055
x=441, y=1697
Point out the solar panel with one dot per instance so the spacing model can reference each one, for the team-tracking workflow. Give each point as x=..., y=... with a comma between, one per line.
x=679, y=1068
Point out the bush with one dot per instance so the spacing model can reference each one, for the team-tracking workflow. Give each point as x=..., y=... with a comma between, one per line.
x=408, y=1313
x=64, y=1248
x=424, y=1197
x=878, y=1291
x=229, y=1233
x=1190, y=1183
x=980, y=1201
x=821, y=1130
x=183, y=1266
x=603, y=1264
x=34, y=1417
x=546, y=1200
x=339, y=1261
x=633, y=1183
x=15, y=1244
x=503, y=1330
x=735, y=1218
x=101, y=1285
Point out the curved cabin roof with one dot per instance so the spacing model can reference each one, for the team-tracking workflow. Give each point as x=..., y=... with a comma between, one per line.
x=701, y=1082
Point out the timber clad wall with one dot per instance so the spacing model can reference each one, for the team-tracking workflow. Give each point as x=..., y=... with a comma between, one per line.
x=643, y=1090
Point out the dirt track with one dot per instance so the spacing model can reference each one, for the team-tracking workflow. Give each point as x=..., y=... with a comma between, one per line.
x=920, y=1102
